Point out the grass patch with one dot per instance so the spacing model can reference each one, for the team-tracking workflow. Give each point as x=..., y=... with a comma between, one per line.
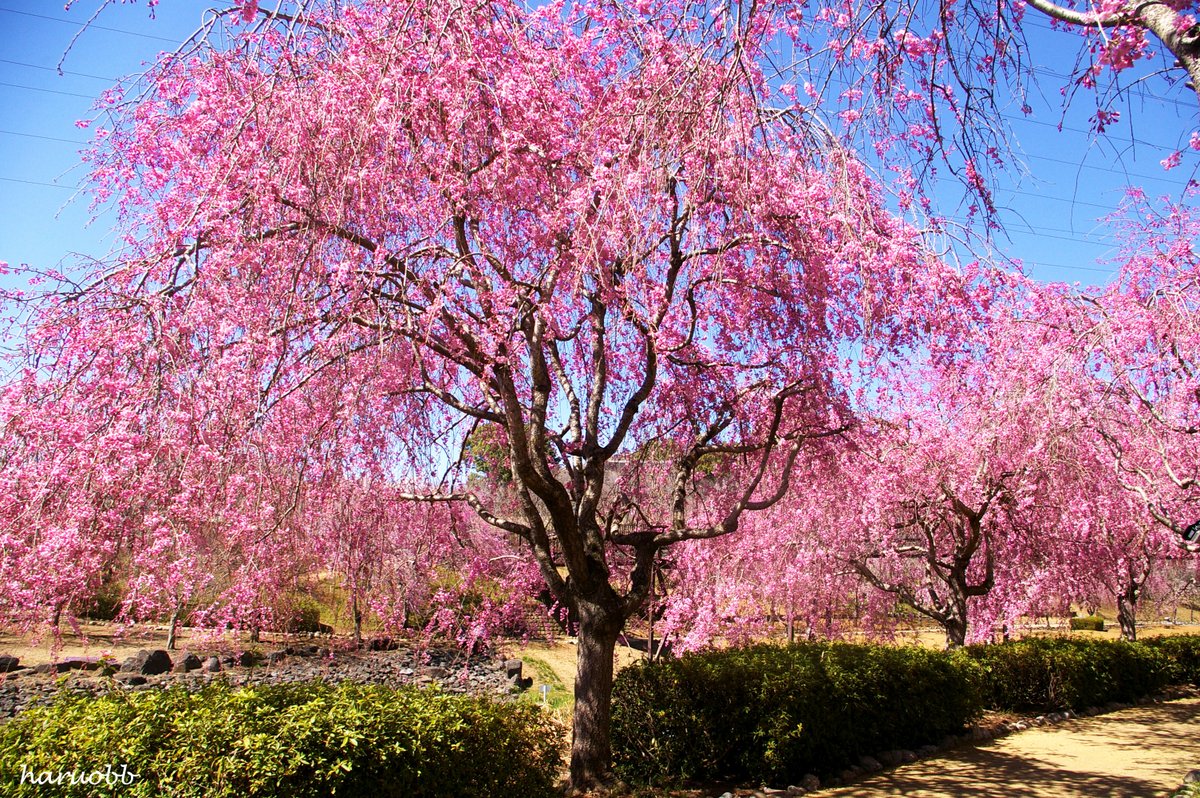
x=560, y=699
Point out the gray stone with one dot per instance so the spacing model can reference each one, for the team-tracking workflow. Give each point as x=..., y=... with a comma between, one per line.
x=130, y=679
x=276, y=657
x=9, y=663
x=870, y=764
x=908, y=756
x=212, y=665
x=1192, y=777
x=796, y=789
x=188, y=662
x=513, y=668
x=891, y=758
x=382, y=644
x=810, y=782
x=148, y=663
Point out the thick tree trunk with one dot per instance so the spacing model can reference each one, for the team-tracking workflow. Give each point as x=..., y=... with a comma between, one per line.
x=591, y=745
x=956, y=632
x=1127, y=613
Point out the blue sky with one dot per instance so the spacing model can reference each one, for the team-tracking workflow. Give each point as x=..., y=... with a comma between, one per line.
x=1050, y=215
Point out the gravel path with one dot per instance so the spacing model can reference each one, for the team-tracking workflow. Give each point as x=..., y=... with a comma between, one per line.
x=1132, y=753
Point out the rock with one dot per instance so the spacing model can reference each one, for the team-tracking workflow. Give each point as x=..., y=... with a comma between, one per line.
x=869, y=764
x=907, y=756
x=148, y=663
x=891, y=758
x=436, y=672
x=927, y=750
x=382, y=644
x=211, y=665
x=130, y=679
x=850, y=774
x=188, y=662
x=276, y=657
x=1192, y=777
x=796, y=789
x=9, y=663
x=513, y=667
x=63, y=666
x=249, y=659
x=810, y=783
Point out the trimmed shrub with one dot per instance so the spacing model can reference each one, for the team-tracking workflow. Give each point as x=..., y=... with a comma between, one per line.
x=1043, y=674
x=1088, y=623
x=771, y=713
x=300, y=740
x=1183, y=656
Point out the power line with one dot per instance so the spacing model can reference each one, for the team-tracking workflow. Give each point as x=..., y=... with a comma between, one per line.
x=76, y=23
x=1105, y=170
x=56, y=71
x=37, y=183
x=49, y=91
x=45, y=138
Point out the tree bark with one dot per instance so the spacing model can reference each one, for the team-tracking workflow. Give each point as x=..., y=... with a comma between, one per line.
x=591, y=744
x=357, y=621
x=1127, y=613
x=171, y=633
x=956, y=632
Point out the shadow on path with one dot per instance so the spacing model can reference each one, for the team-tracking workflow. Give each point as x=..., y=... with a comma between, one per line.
x=1134, y=753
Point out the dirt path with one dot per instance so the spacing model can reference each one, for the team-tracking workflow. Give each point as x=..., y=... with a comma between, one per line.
x=1133, y=753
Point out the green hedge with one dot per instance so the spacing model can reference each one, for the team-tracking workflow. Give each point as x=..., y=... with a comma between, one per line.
x=1043, y=674
x=1088, y=623
x=299, y=740
x=771, y=713
x=1183, y=657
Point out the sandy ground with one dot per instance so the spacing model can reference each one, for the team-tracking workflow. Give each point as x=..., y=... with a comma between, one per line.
x=561, y=656
x=95, y=640
x=1133, y=753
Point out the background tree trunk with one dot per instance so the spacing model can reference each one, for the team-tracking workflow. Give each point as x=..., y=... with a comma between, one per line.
x=171, y=633
x=1127, y=613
